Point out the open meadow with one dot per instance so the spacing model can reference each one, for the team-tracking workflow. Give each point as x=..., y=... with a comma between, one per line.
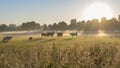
x=62, y=52
x=59, y=33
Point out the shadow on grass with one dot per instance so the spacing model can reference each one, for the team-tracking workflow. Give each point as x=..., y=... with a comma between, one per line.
x=37, y=39
x=33, y=40
x=47, y=40
x=67, y=39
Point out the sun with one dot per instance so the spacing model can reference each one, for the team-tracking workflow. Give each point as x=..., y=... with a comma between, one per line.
x=98, y=10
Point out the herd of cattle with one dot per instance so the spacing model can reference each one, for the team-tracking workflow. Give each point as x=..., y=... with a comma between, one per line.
x=59, y=34
x=43, y=34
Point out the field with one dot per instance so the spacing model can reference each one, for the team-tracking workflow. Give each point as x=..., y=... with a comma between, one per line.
x=62, y=52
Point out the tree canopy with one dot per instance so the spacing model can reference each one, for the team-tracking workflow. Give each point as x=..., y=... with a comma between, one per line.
x=112, y=24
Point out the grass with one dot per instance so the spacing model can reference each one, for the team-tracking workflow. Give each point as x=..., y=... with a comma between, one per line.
x=65, y=52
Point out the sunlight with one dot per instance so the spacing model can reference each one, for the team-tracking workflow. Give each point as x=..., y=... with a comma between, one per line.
x=101, y=33
x=98, y=10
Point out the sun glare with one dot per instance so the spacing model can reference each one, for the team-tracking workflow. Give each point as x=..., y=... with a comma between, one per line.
x=98, y=10
x=101, y=33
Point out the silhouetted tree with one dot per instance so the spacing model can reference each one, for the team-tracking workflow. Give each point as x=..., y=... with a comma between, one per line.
x=80, y=25
x=3, y=27
x=104, y=24
x=62, y=26
x=38, y=26
x=50, y=27
x=30, y=25
x=55, y=26
x=73, y=24
x=44, y=27
x=113, y=24
x=95, y=25
x=87, y=26
x=12, y=27
x=119, y=18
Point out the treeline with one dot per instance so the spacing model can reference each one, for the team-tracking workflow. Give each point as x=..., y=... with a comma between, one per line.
x=25, y=26
x=90, y=25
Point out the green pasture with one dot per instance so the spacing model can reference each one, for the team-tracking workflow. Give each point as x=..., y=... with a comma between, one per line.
x=23, y=40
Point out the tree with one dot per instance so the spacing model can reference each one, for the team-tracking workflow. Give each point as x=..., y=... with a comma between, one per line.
x=30, y=25
x=38, y=26
x=104, y=24
x=119, y=18
x=44, y=27
x=87, y=25
x=113, y=24
x=73, y=24
x=12, y=27
x=55, y=26
x=62, y=26
x=95, y=25
x=3, y=27
x=49, y=27
x=80, y=25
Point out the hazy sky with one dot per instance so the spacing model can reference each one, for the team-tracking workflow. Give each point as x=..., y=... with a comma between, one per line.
x=47, y=11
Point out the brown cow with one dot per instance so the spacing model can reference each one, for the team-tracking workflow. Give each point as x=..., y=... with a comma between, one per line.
x=74, y=34
x=59, y=34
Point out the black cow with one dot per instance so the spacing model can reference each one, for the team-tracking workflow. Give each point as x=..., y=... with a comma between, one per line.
x=6, y=39
x=47, y=34
x=50, y=34
x=43, y=34
x=74, y=34
x=59, y=34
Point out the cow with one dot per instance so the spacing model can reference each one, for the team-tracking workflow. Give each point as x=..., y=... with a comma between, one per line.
x=47, y=34
x=43, y=34
x=74, y=34
x=30, y=38
x=6, y=39
x=50, y=34
x=59, y=34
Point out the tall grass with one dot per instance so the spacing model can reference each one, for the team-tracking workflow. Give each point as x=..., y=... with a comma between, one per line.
x=58, y=56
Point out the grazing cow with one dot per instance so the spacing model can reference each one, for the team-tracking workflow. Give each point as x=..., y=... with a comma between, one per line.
x=47, y=34
x=59, y=34
x=30, y=38
x=50, y=34
x=43, y=34
x=74, y=34
x=6, y=39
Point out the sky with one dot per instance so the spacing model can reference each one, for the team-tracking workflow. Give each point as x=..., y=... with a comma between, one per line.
x=48, y=11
